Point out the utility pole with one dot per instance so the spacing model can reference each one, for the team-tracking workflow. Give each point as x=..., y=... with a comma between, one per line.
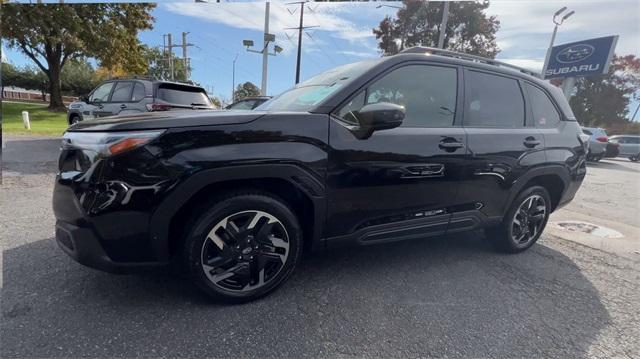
x=300, y=28
x=185, y=59
x=170, y=46
x=265, y=50
x=443, y=25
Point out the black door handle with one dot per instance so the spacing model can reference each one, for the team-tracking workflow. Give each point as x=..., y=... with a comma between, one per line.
x=450, y=146
x=123, y=106
x=531, y=142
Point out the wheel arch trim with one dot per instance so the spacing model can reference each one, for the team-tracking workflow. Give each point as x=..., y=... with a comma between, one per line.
x=302, y=179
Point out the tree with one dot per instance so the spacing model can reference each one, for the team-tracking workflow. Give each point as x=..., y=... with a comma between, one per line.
x=603, y=101
x=10, y=75
x=78, y=77
x=246, y=89
x=469, y=29
x=51, y=35
x=159, y=65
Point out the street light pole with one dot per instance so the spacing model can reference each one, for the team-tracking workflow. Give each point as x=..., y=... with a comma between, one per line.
x=265, y=51
x=555, y=31
x=233, y=80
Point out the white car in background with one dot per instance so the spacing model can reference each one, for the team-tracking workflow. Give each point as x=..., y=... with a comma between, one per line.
x=629, y=146
x=597, y=143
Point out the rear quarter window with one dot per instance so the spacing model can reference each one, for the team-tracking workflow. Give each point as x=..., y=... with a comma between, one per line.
x=545, y=114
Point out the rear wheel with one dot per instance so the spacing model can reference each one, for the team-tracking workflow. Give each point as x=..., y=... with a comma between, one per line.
x=634, y=158
x=243, y=247
x=524, y=222
x=74, y=119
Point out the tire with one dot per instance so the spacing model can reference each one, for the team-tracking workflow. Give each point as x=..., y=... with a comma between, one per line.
x=597, y=158
x=73, y=120
x=252, y=242
x=634, y=158
x=505, y=236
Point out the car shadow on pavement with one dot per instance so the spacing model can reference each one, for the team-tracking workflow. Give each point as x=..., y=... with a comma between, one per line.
x=450, y=296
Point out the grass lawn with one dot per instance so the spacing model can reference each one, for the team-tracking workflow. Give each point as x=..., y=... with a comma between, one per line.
x=43, y=121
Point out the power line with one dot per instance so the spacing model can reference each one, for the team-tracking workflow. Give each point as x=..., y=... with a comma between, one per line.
x=300, y=28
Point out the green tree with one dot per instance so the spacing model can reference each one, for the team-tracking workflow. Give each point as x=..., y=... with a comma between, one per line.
x=603, y=101
x=246, y=89
x=10, y=75
x=469, y=29
x=159, y=65
x=78, y=77
x=51, y=35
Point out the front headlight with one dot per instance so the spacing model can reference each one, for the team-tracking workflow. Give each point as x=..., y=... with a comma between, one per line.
x=108, y=143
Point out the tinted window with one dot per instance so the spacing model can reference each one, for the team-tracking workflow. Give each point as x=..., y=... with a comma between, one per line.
x=587, y=132
x=138, y=92
x=243, y=105
x=183, y=95
x=122, y=92
x=632, y=140
x=544, y=112
x=347, y=112
x=428, y=94
x=492, y=101
x=101, y=94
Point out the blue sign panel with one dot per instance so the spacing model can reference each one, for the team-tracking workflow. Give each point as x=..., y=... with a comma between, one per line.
x=582, y=58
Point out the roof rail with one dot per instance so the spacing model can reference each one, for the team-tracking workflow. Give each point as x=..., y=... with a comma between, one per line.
x=463, y=56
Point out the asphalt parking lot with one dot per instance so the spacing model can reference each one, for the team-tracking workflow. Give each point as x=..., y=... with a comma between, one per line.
x=570, y=296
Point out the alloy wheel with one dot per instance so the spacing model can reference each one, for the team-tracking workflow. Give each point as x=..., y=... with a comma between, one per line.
x=245, y=251
x=529, y=220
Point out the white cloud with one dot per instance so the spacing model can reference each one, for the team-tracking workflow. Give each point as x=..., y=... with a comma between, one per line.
x=529, y=64
x=526, y=25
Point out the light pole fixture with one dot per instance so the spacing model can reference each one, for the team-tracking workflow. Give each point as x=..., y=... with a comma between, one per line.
x=557, y=20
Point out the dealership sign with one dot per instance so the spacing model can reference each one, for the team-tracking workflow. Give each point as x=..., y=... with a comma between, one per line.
x=582, y=58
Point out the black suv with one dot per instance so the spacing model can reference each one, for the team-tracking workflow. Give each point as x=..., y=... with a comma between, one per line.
x=134, y=95
x=424, y=143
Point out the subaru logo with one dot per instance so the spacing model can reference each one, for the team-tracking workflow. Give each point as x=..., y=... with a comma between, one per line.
x=575, y=53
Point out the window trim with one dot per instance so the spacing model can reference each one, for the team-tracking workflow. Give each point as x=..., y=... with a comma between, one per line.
x=525, y=118
x=457, y=120
x=551, y=99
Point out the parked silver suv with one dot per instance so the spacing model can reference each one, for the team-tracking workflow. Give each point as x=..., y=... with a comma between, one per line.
x=629, y=146
x=130, y=96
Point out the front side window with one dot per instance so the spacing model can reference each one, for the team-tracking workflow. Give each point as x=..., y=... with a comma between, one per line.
x=101, y=94
x=544, y=112
x=428, y=94
x=122, y=92
x=493, y=101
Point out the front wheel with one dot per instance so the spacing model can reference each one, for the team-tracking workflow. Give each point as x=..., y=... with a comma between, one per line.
x=634, y=158
x=243, y=247
x=524, y=222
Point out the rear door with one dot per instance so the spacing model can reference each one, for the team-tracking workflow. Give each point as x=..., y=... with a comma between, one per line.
x=502, y=146
x=398, y=183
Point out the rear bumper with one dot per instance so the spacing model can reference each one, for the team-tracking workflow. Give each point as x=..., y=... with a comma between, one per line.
x=83, y=246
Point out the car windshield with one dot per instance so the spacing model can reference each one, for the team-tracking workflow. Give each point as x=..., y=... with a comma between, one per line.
x=311, y=92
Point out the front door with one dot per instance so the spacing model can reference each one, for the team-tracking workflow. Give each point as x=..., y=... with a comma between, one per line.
x=398, y=183
x=120, y=99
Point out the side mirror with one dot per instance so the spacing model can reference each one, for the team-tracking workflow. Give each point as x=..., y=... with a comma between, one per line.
x=84, y=98
x=378, y=116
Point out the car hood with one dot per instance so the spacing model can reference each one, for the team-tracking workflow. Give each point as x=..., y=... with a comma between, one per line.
x=166, y=119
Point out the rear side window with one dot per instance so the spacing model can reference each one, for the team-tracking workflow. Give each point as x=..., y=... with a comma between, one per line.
x=138, y=92
x=428, y=94
x=544, y=112
x=243, y=105
x=493, y=101
x=587, y=132
x=122, y=92
x=632, y=140
x=183, y=95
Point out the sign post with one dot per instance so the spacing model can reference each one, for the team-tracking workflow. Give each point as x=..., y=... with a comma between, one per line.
x=581, y=58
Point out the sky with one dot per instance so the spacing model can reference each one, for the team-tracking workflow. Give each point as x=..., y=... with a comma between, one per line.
x=343, y=35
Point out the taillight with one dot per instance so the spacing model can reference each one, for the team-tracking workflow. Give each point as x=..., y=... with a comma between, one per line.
x=602, y=139
x=158, y=107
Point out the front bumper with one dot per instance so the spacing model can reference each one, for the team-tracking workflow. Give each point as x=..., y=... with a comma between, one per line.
x=82, y=245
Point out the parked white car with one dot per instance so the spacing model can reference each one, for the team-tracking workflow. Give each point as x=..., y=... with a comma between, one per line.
x=597, y=143
x=629, y=146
